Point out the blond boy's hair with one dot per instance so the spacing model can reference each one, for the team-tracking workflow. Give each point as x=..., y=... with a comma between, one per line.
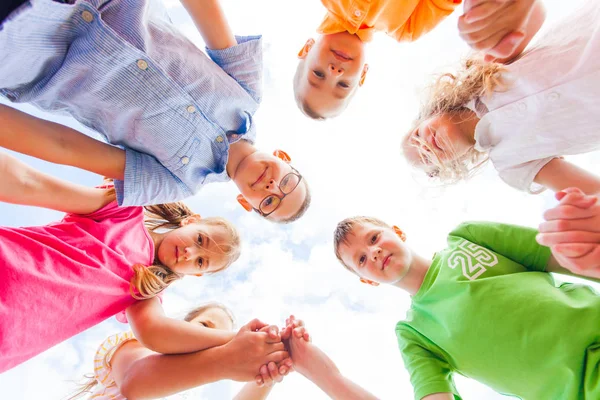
x=148, y=281
x=449, y=94
x=209, y=306
x=344, y=229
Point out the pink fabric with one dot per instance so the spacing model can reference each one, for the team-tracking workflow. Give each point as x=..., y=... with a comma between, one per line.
x=63, y=278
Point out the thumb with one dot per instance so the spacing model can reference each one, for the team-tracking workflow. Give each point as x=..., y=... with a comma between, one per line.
x=254, y=325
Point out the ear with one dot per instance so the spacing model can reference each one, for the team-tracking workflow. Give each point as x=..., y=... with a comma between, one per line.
x=244, y=203
x=282, y=155
x=369, y=282
x=399, y=232
x=192, y=219
x=306, y=48
x=363, y=75
x=198, y=275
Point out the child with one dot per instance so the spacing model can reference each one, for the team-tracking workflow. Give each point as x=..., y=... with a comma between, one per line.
x=485, y=307
x=333, y=67
x=122, y=69
x=60, y=279
x=523, y=116
x=124, y=368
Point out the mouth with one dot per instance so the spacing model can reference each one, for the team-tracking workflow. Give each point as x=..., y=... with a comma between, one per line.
x=341, y=56
x=386, y=262
x=260, y=178
x=176, y=254
x=435, y=143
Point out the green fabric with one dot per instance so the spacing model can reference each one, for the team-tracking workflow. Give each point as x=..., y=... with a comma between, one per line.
x=487, y=310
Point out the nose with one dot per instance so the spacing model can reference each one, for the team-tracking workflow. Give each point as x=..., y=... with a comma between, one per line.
x=272, y=186
x=190, y=252
x=335, y=71
x=375, y=253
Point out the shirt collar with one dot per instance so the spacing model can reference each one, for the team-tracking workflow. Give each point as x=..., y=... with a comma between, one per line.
x=332, y=24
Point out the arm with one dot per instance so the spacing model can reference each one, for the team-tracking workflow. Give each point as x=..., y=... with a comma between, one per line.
x=141, y=374
x=22, y=184
x=211, y=22
x=439, y=396
x=559, y=174
x=165, y=335
x=251, y=391
x=59, y=144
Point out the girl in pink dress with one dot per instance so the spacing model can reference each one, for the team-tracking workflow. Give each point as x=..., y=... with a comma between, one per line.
x=62, y=278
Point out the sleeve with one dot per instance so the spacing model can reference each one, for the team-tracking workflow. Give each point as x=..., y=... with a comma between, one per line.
x=514, y=242
x=243, y=63
x=521, y=176
x=429, y=372
x=426, y=16
x=148, y=182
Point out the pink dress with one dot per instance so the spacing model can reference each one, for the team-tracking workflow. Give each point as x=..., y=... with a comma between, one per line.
x=63, y=278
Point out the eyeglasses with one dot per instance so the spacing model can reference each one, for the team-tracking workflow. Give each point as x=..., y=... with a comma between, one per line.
x=287, y=185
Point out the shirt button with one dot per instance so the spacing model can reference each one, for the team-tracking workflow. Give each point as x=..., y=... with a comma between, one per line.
x=234, y=135
x=87, y=16
x=219, y=139
x=185, y=160
x=142, y=64
x=191, y=109
x=554, y=96
x=357, y=13
x=522, y=107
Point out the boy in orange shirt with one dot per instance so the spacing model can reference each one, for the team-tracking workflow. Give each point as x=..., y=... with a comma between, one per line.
x=332, y=68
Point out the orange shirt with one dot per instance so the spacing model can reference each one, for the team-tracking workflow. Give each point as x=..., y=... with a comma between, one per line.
x=404, y=20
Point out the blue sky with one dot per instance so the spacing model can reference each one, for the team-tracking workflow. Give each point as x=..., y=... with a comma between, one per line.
x=353, y=165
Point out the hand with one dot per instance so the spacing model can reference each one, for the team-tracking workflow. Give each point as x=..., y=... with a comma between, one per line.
x=495, y=27
x=294, y=327
x=572, y=231
x=254, y=347
x=272, y=372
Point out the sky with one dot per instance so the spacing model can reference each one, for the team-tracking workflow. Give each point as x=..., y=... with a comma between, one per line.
x=354, y=167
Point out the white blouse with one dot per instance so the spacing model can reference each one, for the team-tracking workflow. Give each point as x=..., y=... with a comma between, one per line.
x=551, y=106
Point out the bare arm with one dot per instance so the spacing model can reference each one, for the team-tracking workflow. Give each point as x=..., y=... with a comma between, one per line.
x=251, y=391
x=165, y=335
x=59, y=144
x=439, y=396
x=559, y=174
x=210, y=20
x=22, y=184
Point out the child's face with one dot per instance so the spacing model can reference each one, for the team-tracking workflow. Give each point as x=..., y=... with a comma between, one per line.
x=215, y=318
x=435, y=139
x=331, y=72
x=194, y=249
x=261, y=176
x=376, y=253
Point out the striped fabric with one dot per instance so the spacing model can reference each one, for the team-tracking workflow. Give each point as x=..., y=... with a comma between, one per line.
x=107, y=388
x=121, y=68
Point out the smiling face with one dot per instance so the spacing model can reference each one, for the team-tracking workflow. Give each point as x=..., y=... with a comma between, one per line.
x=214, y=318
x=329, y=73
x=376, y=253
x=436, y=140
x=194, y=248
x=261, y=175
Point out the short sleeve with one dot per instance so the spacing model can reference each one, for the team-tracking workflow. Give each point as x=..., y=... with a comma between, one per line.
x=521, y=176
x=426, y=16
x=102, y=359
x=148, y=182
x=517, y=243
x=429, y=372
x=121, y=316
x=243, y=63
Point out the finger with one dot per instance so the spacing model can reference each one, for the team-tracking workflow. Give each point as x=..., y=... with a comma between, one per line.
x=574, y=250
x=507, y=45
x=258, y=380
x=481, y=11
x=471, y=4
x=255, y=325
x=565, y=225
x=307, y=337
x=299, y=332
x=274, y=372
x=580, y=200
x=568, y=211
x=278, y=356
x=286, y=333
x=266, y=377
x=554, y=238
x=274, y=332
x=273, y=347
x=273, y=338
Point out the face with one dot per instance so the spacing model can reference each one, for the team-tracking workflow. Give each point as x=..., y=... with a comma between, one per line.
x=193, y=249
x=436, y=140
x=261, y=175
x=332, y=71
x=376, y=253
x=214, y=318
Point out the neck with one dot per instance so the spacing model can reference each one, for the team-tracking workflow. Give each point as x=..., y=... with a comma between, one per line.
x=157, y=239
x=466, y=121
x=416, y=274
x=238, y=151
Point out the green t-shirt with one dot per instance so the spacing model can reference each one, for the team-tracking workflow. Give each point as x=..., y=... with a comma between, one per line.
x=487, y=310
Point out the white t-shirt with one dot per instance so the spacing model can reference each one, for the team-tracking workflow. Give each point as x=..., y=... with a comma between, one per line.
x=552, y=104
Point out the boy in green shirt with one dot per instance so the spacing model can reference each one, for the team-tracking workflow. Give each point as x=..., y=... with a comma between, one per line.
x=486, y=308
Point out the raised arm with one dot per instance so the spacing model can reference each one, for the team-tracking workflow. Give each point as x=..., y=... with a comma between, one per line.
x=22, y=184
x=210, y=20
x=59, y=144
x=559, y=174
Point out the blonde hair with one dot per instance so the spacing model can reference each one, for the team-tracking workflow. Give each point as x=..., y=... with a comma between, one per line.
x=449, y=94
x=91, y=382
x=148, y=281
x=344, y=229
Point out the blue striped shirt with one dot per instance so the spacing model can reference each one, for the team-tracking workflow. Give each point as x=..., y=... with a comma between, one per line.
x=121, y=68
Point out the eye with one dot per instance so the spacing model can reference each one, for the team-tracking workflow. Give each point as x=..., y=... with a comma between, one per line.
x=200, y=262
x=268, y=201
x=204, y=324
x=362, y=260
x=200, y=240
x=374, y=238
x=318, y=74
x=345, y=85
